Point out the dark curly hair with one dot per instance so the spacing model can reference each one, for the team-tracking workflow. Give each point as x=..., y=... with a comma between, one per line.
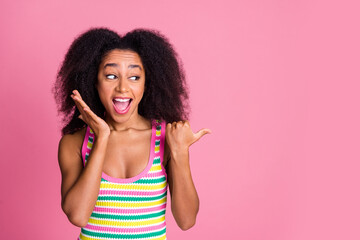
x=166, y=93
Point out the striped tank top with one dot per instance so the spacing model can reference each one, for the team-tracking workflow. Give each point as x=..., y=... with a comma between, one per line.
x=130, y=208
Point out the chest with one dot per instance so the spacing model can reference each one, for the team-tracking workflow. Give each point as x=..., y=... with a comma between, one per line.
x=127, y=153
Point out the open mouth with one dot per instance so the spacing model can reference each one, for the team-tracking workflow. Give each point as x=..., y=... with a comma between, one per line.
x=122, y=105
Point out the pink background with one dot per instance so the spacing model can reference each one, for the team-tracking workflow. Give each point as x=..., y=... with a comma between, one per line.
x=276, y=81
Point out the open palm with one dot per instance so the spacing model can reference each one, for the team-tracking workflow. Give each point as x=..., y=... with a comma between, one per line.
x=97, y=124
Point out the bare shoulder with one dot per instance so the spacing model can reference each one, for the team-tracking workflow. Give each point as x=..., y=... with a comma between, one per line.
x=72, y=142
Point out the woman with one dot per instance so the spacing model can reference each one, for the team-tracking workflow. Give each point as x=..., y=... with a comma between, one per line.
x=127, y=139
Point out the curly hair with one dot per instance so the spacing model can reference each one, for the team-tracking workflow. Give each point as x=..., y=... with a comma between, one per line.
x=166, y=94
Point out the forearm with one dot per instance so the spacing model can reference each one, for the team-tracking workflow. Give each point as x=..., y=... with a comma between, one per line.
x=184, y=198
x=80, y=200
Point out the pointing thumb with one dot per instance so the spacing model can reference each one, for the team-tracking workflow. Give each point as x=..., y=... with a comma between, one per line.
x=201, y=133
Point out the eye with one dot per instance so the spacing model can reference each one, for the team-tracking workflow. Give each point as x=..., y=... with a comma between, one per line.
x=135, y=78
x=110, y=76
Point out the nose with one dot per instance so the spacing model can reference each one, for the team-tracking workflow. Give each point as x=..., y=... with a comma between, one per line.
x=122, y=86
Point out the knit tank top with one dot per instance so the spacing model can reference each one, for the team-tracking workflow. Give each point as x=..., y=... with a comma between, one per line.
x=130, y=208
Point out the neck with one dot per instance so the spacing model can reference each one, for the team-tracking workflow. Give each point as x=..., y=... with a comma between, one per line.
x=136, y=121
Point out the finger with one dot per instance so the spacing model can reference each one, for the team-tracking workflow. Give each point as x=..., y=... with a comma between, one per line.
x=78, y=105
x=79, y=98
x=82, y=105
x=201, y=133
x=80, y=101
x=85, y=112
x=91, y=114
x=186, y=123
x=76, y=93
x=179, y=124
x=173, y=125
x=84, y=115
x=88, y=116
x=76, y=101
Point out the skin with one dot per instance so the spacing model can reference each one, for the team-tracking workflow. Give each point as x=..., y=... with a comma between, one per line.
x=122, y=145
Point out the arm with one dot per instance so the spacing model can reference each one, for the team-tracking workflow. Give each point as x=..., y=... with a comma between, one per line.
x=184, y=198
x=80, y=188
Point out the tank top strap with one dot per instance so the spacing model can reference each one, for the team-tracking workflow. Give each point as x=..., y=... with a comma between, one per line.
x=87, y=144
x=157, y=149
x=162, y=147
x=159, y=139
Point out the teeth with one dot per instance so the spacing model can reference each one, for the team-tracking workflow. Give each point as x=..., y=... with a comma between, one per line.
x=122, y=100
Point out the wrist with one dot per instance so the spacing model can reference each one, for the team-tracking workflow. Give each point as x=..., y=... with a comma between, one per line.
x=180, y=155
x=102, y=138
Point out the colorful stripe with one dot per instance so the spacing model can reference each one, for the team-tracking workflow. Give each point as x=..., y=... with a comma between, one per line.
x=103, y=235
x=125, y=230
x=129, y=211
x=131, y=208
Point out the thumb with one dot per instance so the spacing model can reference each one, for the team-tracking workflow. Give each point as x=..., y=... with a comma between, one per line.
x=201, y=133
x=81, y=117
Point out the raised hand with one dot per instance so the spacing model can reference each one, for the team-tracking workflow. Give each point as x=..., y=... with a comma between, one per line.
x=180, y=137
x=97, y=124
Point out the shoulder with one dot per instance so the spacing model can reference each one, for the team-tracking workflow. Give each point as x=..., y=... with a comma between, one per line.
x=72, y=143
x=75, y=138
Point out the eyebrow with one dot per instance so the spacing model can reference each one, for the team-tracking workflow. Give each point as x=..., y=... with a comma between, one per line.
x=116, y=65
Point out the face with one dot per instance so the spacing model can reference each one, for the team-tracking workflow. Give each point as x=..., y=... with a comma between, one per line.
x=121, y=84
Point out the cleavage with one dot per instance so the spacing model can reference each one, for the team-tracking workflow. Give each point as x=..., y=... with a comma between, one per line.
x=127, y=154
